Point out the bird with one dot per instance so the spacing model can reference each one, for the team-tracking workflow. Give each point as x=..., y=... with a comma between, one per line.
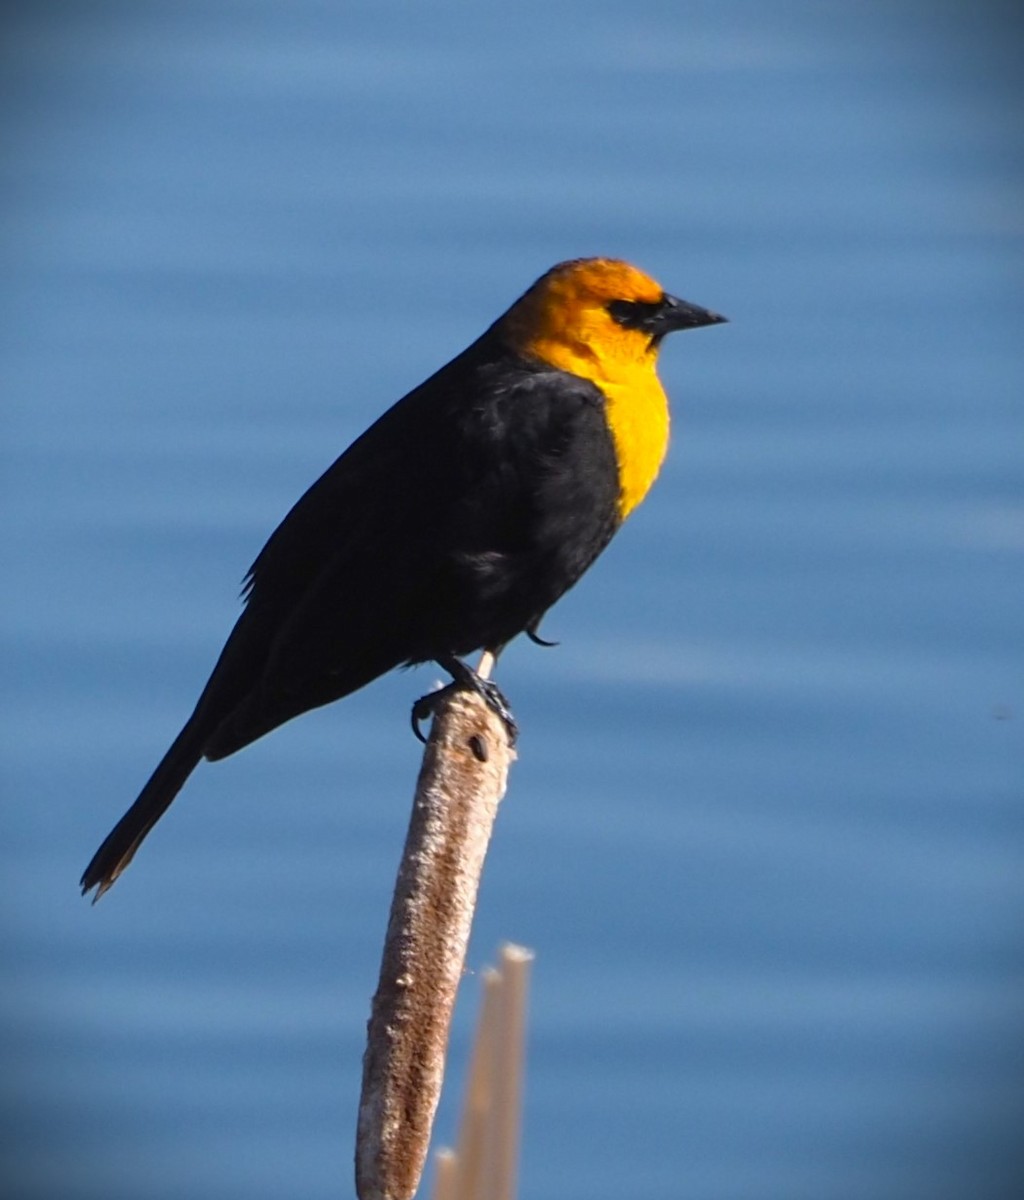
x=451, y=525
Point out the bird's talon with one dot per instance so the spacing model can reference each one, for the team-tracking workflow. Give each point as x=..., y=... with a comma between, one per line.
x=495, y=700
x=535, y=637
x=418, y=714
x=465, y=679
x=425, y=707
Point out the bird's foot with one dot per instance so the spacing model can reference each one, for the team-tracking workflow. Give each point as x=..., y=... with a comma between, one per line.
x=534, y=636
x=464, y=679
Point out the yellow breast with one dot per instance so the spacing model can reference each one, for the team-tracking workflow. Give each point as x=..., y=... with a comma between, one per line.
x=636, y=405
x=638, y=417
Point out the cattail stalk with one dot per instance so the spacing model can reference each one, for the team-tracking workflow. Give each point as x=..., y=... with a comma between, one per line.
x=462, y=780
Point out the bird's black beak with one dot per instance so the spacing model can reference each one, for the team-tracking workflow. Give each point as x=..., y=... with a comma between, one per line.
x=674, y=314
x=659, y=317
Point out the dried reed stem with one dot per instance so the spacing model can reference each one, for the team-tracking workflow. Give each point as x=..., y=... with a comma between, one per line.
x=503, y=1152
x=484, y=1164
x=462, y=780
x=445, y=1176
x=471, y=1145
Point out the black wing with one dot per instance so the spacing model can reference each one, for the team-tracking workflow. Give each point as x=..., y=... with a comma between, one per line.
x=453, y=523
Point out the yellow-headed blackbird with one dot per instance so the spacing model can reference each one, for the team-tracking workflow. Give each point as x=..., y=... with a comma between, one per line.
x=452, y=524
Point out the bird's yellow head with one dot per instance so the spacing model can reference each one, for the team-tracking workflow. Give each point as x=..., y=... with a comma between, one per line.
x=603, y=319
x=600, y=318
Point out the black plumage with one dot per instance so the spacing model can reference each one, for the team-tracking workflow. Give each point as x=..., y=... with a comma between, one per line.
x=452, y=524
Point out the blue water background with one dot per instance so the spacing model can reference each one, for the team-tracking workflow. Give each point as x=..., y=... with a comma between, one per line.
x=767, y=829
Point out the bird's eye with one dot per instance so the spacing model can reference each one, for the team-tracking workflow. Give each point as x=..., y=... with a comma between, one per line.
x=635, y=314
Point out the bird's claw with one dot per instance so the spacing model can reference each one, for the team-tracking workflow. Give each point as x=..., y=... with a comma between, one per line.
x=535, y=637
x=425, y=707
x=495, y=700
x=466, y=679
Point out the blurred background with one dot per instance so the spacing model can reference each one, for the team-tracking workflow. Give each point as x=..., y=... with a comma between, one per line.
x=767, y=829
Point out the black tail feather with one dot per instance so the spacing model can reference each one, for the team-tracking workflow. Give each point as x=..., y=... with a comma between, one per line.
x=155, y=798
